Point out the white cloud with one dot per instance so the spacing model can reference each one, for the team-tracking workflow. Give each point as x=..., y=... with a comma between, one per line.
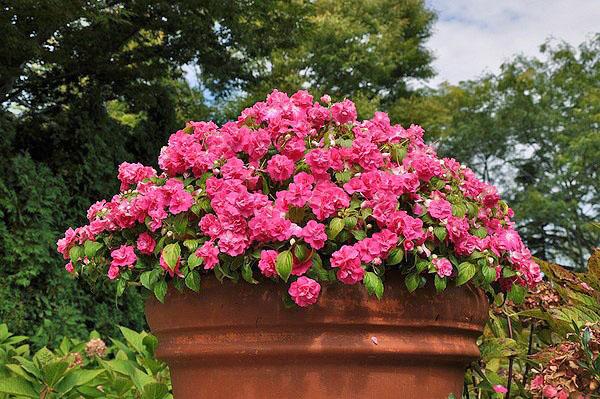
x=474, y=36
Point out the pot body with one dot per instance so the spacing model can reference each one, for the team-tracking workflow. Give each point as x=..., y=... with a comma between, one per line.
x=239, y=341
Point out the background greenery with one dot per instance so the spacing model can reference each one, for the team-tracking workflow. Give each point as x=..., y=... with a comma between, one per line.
x=88, y=85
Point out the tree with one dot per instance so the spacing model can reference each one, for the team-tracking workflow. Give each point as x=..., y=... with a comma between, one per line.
x=369, y=50
x=533, y=129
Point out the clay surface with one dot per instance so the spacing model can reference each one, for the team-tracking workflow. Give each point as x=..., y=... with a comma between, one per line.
x=239, y=341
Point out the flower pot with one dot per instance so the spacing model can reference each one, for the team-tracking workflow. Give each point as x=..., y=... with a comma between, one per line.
x=240, y=341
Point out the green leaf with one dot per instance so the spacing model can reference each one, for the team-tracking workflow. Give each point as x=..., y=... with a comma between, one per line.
x=335, y=227
x=359, y=234
x=180, y=224
x=440, y=233
x=373, y=284
x=121, y=285
x=350, y=222
x=247, y=274
x=17, y=386
x=155, y=390
x=423, y=265
x=395, y=256
x=77, y=378
x=283, y=265
x=300, y=252
x=508, y=272
x=171, y=254
x=412, y=281
x=191, y=245
x=160, y=290
x=343, y=177
x=194, y=261
x=192, y=280
x=466, y=271
x=517, y=294
x=134, y=339
x=91, y=247
x=459, y=210
x=54, y=371
x=76, y=253
x=440, y=283
x=146, y=280
x=489, y=273
x=481, y=232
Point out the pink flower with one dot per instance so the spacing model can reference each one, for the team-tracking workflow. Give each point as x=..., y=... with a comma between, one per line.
x=180, y=201
x=266, y=264
x=351, y=274
x=318, y=160
x=145, y=243
x=113, y=272
x=347, y=259
x=209, y=254
x=344, y=112
x=69, y=267
x=314, y=234
x=133, y=173
x=64, y=244
x=123, y=256
x=209, y=225
x=537, y=382
x=304, y=291
x=500, y=389
x=440, y=209
x=549, y=391
x=232, y=244
x=443, y=267
x=280, y=168
x=299, y=268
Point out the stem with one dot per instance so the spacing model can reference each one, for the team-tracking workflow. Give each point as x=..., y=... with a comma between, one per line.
x=476, y=388
x=510, y=360
x=466, y=391
x=529, y=351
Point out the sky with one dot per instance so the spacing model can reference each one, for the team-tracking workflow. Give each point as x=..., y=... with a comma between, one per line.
x=474, y=36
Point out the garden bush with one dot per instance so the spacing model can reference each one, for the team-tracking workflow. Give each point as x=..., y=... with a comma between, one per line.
x=91, y=369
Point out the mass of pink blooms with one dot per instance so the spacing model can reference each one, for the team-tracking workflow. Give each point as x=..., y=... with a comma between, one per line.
x=300, y=190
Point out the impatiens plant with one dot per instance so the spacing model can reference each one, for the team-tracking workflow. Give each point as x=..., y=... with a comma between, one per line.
x=301, y=192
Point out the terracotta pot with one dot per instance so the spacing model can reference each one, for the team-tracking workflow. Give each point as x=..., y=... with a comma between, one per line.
x=239, y=341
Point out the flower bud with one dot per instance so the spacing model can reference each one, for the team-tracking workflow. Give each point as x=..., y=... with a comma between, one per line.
x=326, y=99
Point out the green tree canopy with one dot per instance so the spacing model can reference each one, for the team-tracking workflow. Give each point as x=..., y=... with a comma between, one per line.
x=368, y=50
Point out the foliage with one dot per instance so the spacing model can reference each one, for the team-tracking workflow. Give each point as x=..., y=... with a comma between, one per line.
x=552, y=339
x=125, y=369
x=304, y=193
x=367, y=50
x=531, y=129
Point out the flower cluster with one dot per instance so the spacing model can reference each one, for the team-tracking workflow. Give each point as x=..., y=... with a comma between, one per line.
x=569, y=368
x=300, y=190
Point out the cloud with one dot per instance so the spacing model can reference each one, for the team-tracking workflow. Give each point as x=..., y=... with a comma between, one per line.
x=472, y=37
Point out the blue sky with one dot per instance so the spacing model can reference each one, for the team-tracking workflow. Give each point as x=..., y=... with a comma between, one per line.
x=473, y=36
